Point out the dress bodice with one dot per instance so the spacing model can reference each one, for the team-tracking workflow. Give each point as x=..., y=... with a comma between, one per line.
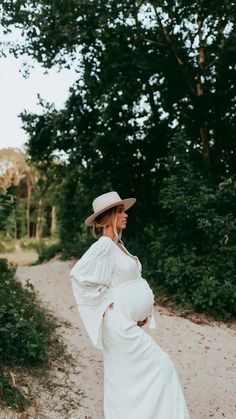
x=126, y=266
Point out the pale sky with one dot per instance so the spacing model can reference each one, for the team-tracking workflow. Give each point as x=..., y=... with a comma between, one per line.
x=18, y=93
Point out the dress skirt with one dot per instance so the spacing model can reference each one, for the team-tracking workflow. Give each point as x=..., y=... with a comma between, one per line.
x=140, y=380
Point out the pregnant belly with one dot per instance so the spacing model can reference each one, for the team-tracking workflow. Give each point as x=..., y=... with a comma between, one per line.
x=136, y=299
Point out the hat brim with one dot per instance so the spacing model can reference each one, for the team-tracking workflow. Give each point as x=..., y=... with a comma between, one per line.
x=128, y=202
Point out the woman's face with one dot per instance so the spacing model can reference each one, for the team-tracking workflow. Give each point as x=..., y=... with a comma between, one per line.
x=121, y=220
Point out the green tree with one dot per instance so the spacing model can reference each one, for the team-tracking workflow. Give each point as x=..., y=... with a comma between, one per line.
x=144, y=69
x=174, y=57
x=5, y=210
x=17, y=171
x=32, y=206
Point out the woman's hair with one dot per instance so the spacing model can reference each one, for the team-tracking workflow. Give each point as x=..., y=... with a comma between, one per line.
x=105, y=219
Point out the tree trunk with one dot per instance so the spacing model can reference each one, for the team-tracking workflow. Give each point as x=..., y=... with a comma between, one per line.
x=201, y=113
x=202, y=108
x=14, y=219
x=15, y=225
x=29, y=188
x=53, y=221
x=39, y=225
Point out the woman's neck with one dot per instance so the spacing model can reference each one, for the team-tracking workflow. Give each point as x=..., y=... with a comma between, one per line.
x=109, y=233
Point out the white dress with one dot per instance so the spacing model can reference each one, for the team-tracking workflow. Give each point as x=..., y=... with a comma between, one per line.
x=140, y=380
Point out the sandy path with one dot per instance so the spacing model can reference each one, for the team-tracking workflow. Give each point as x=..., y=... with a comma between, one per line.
x=20, y=257
x=204, y=355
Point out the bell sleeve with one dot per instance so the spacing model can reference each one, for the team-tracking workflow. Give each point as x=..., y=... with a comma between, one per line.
x=91, y=278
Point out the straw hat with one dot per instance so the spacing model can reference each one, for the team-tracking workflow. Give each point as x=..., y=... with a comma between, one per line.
x=106, y=201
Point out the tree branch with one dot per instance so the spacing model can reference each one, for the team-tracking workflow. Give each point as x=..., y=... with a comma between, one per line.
x=172, y=47
x=215, y=61
x=150, y=41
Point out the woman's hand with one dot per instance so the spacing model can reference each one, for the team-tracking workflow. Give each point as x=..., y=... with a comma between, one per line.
x=141, y=323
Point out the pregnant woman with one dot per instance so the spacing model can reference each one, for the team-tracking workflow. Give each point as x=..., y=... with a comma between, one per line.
x=114, y=301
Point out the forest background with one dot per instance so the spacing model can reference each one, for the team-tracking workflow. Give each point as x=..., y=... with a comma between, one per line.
x=152, y=115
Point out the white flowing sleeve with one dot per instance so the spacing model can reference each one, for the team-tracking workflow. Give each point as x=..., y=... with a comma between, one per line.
x=91, y=278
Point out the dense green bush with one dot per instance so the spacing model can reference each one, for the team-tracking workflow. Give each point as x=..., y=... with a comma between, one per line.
x=26, y=332
x=47, y=251
x=192, y=252
x=25, y=328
